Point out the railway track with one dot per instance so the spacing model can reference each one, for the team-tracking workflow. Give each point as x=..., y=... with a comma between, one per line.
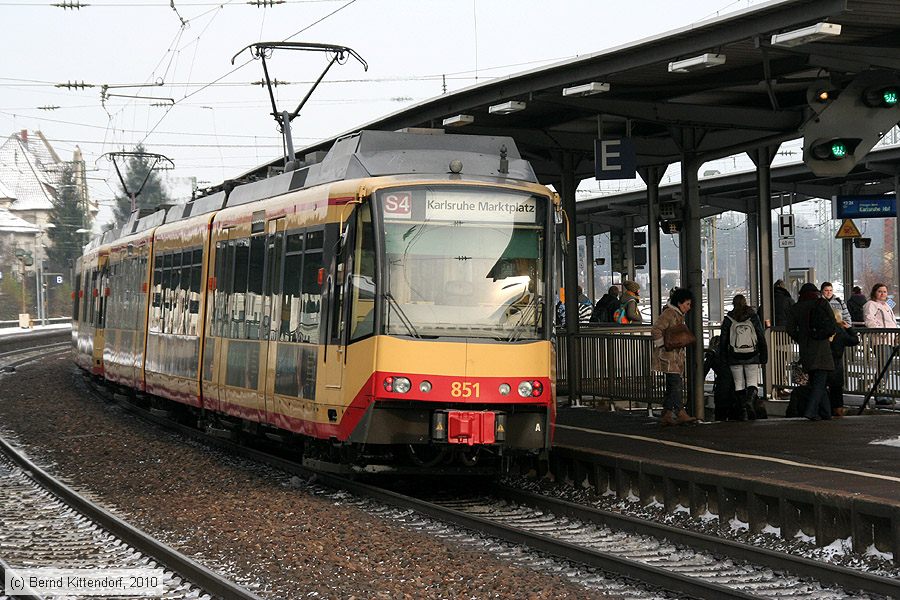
x=659, y=556
x=46, y=524
x=13, y=359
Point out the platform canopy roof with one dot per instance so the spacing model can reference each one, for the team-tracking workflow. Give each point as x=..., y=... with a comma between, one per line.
x=758, y=97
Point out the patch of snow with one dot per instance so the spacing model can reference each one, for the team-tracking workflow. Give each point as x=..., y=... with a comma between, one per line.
x=839, y=546
x=655, y=504
x=680, y=508
x=803, y=537
x=708, y=516
x=771, y=529
x=895, y=441
x=873, y=551
x=738, y=525
x=632, y=498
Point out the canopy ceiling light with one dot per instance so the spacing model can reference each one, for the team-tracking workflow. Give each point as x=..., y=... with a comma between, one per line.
x=458, y=120
x=506, y=107
x=586, y=89
x=696, y=63
x=805, y=35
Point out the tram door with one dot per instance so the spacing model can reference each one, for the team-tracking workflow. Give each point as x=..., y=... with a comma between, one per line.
x=272, y=289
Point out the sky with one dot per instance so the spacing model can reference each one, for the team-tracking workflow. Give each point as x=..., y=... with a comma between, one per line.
x=220, y=124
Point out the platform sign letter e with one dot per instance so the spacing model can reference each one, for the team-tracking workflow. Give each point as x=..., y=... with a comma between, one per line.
x=614, y=158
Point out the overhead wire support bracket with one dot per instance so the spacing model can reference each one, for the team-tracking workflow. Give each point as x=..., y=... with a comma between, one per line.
x=262, y=50
x=157, y=158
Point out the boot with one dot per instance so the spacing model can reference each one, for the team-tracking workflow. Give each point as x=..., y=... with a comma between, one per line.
x=682, y=418
x=757, y=404
x=838, y=412
x=741, y=405
x=667, y=419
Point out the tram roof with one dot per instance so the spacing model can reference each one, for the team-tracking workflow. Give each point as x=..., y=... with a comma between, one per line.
x=757, y=97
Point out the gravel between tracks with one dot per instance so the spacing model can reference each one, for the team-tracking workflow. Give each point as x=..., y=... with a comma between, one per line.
x=241, y=519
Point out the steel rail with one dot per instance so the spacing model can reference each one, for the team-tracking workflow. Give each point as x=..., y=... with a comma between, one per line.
x=641, y=572
x=189, y=569
x=58, y=345
x=843, y=577
x=832, y=574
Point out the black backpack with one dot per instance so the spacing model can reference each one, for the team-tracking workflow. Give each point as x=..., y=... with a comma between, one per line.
x=821, y=320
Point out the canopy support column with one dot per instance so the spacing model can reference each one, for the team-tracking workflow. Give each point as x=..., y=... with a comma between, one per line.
x=652, y=176
x=570, y=264
x=692, y=266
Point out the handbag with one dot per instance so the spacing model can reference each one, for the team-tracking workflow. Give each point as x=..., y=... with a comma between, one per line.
x=799, y=376
x=677, y=336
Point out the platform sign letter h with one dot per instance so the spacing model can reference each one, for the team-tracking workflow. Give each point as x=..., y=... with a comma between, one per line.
x=614, y=159
x=786, y=225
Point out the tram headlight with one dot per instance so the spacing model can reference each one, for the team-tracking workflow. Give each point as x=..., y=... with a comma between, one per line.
x=525, y=389
x=425, y=387
x=504, y=389
x=401, y=385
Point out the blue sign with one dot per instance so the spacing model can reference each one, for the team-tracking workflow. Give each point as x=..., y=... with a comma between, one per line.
x=865, y=207
x=615, y=158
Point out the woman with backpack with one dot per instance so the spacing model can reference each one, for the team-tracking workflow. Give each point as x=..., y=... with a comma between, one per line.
x=743, y=340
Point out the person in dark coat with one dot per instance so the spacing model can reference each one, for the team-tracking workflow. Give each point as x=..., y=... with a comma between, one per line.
x=782, y=304
x=843, y=337
x=606, y=306
x=723, y=387
x=855, y=305
x=811, y=323
x=744, y=350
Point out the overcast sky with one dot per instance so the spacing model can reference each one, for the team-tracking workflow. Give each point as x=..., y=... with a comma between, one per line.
x=220, y=125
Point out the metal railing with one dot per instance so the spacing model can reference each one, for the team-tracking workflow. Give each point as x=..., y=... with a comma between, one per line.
x=52, y=321
x=615, y=362
x=862, y=363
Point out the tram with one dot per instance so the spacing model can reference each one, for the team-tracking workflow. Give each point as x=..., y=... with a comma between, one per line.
x=386, y=305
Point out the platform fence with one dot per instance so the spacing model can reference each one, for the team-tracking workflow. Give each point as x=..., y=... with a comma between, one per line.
x=615, y=363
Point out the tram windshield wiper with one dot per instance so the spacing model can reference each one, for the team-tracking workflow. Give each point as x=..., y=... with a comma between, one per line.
x=529, y=311
x=393, y=303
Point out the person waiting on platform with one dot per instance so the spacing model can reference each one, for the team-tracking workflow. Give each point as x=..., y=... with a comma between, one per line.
x=844, y=336
x=628, y=311
x=782, y=304
x=668, y=354
x=811, y=324
x=723, y=387
x=585, y=307
x=744, y=350
x=855, y=305
x=836, y=303
x=606, y=306
x=878, y=315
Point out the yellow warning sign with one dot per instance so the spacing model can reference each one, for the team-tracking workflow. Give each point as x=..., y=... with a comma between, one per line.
x=848, y=230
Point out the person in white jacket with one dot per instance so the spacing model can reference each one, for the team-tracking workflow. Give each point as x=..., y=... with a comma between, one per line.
x=878, y=315
x=876, y=312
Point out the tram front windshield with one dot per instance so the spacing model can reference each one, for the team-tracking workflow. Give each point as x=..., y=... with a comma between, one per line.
x=464, y=263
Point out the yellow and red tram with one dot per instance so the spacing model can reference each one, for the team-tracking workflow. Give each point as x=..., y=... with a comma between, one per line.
x=388, y=303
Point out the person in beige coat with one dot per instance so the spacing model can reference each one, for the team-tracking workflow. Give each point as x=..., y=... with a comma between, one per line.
x=671, y=362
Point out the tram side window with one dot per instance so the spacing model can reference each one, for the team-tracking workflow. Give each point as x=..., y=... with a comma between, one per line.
x=289, y=330
x=217, y=297
x=254, y=308
x=362, y=282
x=76, y=299
x=311, y=296
x=156, y=296
x=239, y=287
x=274, y=252
x=194, y=291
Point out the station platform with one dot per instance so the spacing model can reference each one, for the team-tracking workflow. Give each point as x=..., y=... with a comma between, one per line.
x=830, y=480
